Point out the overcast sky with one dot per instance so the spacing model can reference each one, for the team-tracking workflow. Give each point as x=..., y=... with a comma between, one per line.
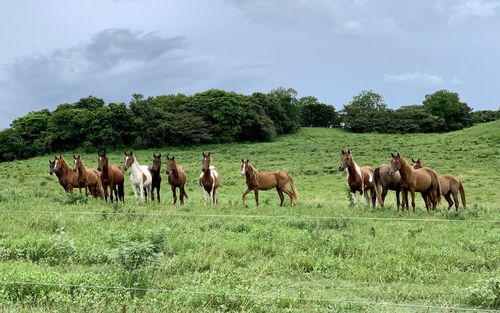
x=56, y=51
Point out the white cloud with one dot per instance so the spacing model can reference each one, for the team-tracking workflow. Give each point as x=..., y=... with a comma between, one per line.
x=470, y=11
x=456, y=81
x=416, y=77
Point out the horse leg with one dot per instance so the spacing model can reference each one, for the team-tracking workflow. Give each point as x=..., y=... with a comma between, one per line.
x=134, y=188
x=158, y=193
x=404, y=201
x=280, y=194
x=426, y=197
x=245, y=194
x=256, y=192
x=141, y=192
x=384, y=194
x=374, y=196
x=448, y=199
x=412, y=192
x=174, y=193
x=182, y=192
x=455, y=198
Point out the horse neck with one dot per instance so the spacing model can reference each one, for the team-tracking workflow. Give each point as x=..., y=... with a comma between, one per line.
x=65, y=169
x=136, y=168
x=252, y=174
x=208, y=172
x=351, y=169
x=406, y=170
x=82, y=169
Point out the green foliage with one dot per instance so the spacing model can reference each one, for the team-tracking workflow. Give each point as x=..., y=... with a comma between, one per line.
x=486, y=294
x=367, y=112
x=316, y=114
x=447, y=105
x=484, y=116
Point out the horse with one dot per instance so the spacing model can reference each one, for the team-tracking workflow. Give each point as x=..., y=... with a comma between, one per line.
x=67, y=178
x=257, y=180
x=209, y=179
x=176, y=178
x=88, y=178
x=155, y=177
x=112, y=177
x=383, y=179
x=450, y=185
x=360, y=179
x=140, y=177
x=424, y=180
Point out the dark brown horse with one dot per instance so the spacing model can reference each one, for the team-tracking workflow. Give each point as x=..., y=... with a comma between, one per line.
x=385, y=181
x=450, y=186
x=67, y=178
x=176, y=178
x=111, y=177
x=88, y=178
x=257, y=180
x=209, y=178
x=360, y=179
x=424, y=180
x=155, y=171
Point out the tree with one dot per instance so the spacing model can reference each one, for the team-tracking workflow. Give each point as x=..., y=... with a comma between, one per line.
x=316, y=114
x=367, y=112
x=484, y=116
x=447, y=105
x=281, y=106
x=414, y=119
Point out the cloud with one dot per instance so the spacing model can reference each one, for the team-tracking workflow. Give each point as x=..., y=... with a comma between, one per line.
x=424, y=78
x=470, y=11
x=113, y=64
x=344, y=18
x=456, y=81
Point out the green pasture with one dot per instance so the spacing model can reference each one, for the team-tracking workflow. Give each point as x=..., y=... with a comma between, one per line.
x=76, y=254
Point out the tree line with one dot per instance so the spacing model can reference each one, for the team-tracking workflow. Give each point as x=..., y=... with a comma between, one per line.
x=217, y=116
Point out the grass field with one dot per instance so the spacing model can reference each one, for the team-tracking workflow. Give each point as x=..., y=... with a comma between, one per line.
x=61, y=253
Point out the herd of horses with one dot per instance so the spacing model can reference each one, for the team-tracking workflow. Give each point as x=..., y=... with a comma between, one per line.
x=401, y=177
x=108, y=180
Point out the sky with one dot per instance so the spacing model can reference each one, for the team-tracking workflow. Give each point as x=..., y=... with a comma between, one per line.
x=58, y=51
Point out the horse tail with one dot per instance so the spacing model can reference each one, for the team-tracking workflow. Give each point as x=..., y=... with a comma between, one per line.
x=184, y=192
x=121, y=192
x=462, y=193
x=436, y=187
x=295, y=194
x=376, y=183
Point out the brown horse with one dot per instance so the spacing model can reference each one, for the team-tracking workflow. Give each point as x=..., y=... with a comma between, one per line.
x=257, y=180
x=176, y=178
x=155, y=171
x=67, y=178
x=360, y=179
x=450, y=186
x=112, y=177
x=89, y=178
x=383, y=179
x=209, y=178
x=423, y=180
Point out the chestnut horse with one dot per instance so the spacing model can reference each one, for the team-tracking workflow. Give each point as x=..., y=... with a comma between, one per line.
x=450, y=186
x=383, y=179
x=424, y=180
x=111, y=177
x=257, y=180
x=360, y=179
x=67, y=178
x=176, y=178
x=209, y=179
x=155, y=171
x=88, y=178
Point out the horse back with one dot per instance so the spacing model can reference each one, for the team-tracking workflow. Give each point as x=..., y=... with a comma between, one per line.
x=368, y=179
x=424, y=178
x=116, y=175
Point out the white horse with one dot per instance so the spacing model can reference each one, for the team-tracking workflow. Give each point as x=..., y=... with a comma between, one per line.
x=140, y=177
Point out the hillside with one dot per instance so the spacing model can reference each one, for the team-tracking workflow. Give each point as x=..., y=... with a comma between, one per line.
x=61, y=252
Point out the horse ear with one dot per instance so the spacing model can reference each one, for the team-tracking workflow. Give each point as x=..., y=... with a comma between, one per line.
x=173, y=157
x=348, y=151
x=418, y=160
x=242, y=161
x=412, y=160
x=392, y=155
x=208, y=153
x=124, y=152
x=159, y=155
x=203, y=153
x=343, y=152
x=398, y=155
x=247, y=161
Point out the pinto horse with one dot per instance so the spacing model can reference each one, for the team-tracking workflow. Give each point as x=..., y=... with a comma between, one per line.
x=88, y=178
x=424, y=180
x=140, y=177
x=112, y=177
x=257, y=180
x=155, y=177
x=360, y=179
x=209, y=178
x=385, y=181
x=450, y=186
x=67, y=178
x=176, y=179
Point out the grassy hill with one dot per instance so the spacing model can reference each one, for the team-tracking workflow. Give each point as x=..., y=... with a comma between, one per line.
x=76, y=253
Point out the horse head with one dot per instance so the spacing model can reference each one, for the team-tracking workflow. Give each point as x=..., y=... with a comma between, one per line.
x=395, y=163
x=245, y=166
x=128, y=160
x=58, y=162
x=416, y=163
x=102, y=161
x=171, y=164
x=51, y=166
x=77, y=162
x=345, y=160
x=206, y=162
x=156, y=162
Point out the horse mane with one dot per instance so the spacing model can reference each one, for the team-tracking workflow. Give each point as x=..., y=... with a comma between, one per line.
x=252, y=174
x=406, y=169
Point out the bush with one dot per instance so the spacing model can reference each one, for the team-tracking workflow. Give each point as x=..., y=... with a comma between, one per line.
x=486, y=294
